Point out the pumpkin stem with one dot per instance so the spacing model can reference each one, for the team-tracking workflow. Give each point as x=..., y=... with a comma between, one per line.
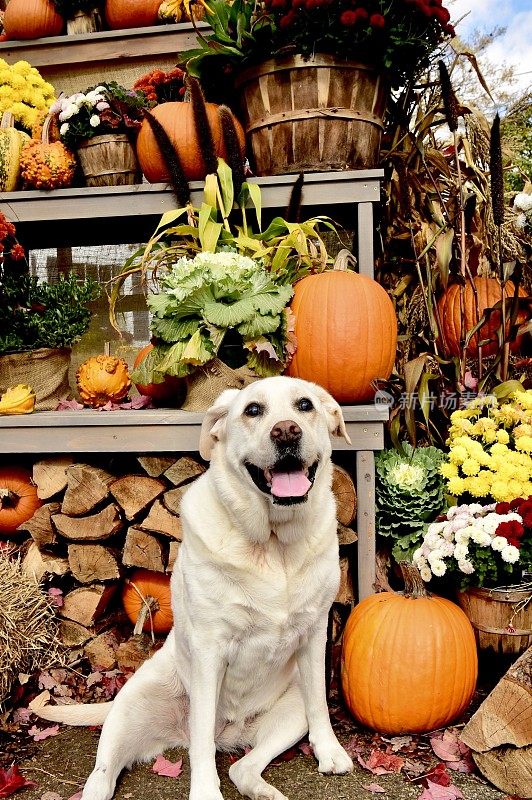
x=344, y=260
x=414, y=584
x=149, y=606
x=8, y=498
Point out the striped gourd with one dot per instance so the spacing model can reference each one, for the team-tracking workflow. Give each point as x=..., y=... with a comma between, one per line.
x=11, y=144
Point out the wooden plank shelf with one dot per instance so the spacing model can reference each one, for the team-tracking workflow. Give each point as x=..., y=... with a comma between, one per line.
x=148, y=431
x=131, y=212
x=59, y=58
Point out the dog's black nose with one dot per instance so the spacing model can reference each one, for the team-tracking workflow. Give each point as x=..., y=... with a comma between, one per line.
x=286, y=431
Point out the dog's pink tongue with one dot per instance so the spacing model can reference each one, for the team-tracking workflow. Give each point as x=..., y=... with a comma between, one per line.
x=290, y=484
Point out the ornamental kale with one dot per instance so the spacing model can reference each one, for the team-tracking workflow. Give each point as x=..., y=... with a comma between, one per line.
x=409, y=493
x=218, y=304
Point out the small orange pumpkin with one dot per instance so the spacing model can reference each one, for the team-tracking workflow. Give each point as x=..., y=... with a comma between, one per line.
x=171, y=391
x=455, y=323
x=32, y=19
x=346, y=332
x=178, y=121
x=142, y=585
x=101, y=379
x=409, y=661
x=18, y=498
x=131, y=13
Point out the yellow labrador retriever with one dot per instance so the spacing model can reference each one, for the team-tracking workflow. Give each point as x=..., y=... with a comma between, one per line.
x=251, y=590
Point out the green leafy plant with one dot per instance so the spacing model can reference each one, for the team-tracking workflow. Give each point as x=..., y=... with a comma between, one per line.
x=218, y=304
x=409, y=494
x=397, y=36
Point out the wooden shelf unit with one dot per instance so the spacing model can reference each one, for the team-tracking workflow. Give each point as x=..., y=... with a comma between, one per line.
x=61, y=213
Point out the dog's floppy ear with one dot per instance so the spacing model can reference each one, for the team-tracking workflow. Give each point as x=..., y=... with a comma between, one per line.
x=335, y=417
x=213, y=423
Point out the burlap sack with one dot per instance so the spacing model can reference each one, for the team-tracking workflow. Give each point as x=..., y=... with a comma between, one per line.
x=210, y=380
x=45, y=370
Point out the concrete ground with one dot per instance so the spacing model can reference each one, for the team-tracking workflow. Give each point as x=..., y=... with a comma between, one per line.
x=62, y=763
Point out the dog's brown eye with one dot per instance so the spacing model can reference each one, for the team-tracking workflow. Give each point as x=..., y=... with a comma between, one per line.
x=253, y=410
x=305, y=404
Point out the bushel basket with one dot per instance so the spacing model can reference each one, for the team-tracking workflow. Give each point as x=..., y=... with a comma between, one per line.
x=109, y=160
x=501, y=617
x=312, y=115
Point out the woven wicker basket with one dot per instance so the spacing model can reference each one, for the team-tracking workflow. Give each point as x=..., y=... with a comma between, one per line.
x=314, y=115
x=84, y=22
x=109, y=160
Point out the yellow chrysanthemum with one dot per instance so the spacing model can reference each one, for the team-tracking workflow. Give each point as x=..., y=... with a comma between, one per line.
x=449, y=470
x=470, y=466
x=456, y=486
x=523, y=399
x=458, y=455
x=524, y=443
x=503, y=437
x=477, y=487
x=524, y=429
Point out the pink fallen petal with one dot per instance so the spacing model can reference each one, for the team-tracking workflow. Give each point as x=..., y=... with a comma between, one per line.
x=68, y=405
x=45, y=733
x=373, y=787
x=76, y=796
x=436, y=791
x=167, y=768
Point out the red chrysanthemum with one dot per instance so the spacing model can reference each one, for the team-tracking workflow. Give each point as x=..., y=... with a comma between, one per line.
x=287, y=20
x=362, y=14
x=377, y=21
x=348, y=18
x=502, y=508
x=280, y=4
x=17, y=252
x=511, y=530
x=441, y=14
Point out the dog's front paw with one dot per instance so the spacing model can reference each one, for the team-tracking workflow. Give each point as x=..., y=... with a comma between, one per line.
x=332, y=758
x=204, y=793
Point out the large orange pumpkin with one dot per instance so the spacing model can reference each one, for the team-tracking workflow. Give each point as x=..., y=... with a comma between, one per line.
x=409, y=661
x=346, y=332
x=32, y=19
x=171, y=391
x=489, y=294
x=131, y=13
x=178, y=121
x=18, y=498
x=142, y=585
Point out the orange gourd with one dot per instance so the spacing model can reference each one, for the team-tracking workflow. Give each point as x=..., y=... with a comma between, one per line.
x=489, y=294
x=131, y=13
x=101, y=379
x=142, y=585
x=32, y=19
x=178, y=121
x=409, y=661
x=18, y=498
x=171, y=391
x=346, y=332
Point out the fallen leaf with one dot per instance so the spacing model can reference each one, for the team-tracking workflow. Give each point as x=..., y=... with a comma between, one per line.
x=167, y=768
x=355, y=745
x=76, y=796
x=435, y=791
x=439, y=774
x=380, y=763
x=373, y=787
x=46, y=681
x=68, y=405
x=51, y=796
x=23, y=678
x=398, y=742
x=414, y=768
x=21, y=714
x=40, y=701
x=39, y=735
x=450, y=749
x=56, y=596
x=11, y=780
x=288, y=755
x=94, y=677
x=306, y=748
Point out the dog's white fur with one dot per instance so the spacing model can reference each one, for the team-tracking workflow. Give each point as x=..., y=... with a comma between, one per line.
x=251, y=591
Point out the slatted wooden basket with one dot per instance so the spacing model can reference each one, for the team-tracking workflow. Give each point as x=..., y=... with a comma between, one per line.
x=501, y=618
x=109, y=160
x=315, y=115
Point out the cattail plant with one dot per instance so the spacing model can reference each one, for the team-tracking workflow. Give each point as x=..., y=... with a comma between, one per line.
x=178, y=180
x=232, y=148
x=202, y=125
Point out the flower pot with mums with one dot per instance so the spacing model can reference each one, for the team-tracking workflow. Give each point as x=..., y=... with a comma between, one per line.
x=313, y=75
x=100, y=124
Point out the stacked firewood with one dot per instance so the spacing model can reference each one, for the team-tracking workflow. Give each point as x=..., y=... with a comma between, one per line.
x=96, y=525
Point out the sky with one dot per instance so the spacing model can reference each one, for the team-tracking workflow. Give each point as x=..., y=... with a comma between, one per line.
x=515, y=46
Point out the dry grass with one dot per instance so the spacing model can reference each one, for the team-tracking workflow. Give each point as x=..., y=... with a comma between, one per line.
x=28, y=626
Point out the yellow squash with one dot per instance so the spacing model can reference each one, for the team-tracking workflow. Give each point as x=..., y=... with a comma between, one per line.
x=11, y=144
x=18, y=400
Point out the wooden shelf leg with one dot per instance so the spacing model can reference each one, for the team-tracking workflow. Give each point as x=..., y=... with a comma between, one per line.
x=365, y=483
x=365, y=239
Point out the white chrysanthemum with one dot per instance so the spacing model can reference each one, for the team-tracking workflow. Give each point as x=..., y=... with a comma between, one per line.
x=480, y=537
x=520, y=220
x=434, y=555
x=466, y=566
x=523, y=201
x=94, y=120
x=459, y=522
x=476, y=508
x=68, y=112
x=460, y=552
x=425, y=573
x=498, y=543
x=433, y=540
x=438, y=568
x=462, y=537
x=447, y=549
x=510, y=554
x=64, y=128
x=418, y=554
